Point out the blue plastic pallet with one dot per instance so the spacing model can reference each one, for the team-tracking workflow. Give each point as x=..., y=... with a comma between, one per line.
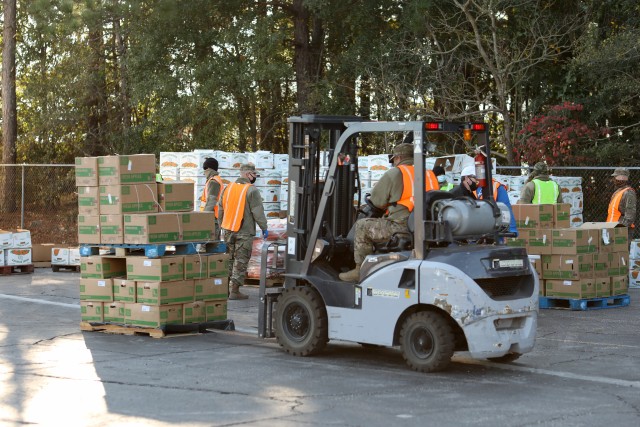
x=158, y=250
x=585, y=304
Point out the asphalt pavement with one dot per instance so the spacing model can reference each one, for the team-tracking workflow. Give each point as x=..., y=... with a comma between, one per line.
x=584, y=371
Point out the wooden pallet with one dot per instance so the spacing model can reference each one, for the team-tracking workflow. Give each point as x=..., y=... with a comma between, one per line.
x=56, y=268
x=270, y=282
x=167, y=332
x=6, y=270
x=585, y=304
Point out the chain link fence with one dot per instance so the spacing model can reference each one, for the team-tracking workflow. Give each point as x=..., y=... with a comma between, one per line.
x=44, y=200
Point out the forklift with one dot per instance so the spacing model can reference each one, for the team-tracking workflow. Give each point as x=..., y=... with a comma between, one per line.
x=448, y=284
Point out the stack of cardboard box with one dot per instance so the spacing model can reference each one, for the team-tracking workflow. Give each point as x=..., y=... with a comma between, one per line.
x=15, y=247
x=589, y=261
x=634, y=264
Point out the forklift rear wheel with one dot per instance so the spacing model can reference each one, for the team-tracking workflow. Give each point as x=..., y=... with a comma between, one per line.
x=426, y=341
x=301, y=321
x=507, y=358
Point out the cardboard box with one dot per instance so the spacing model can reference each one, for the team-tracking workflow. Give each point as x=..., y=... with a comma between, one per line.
x=212, y=288
x=153, y=228
x=59, y=256
x=611, y=237
x=96, y=290
x=195, y=266
x=562, y=215
x=132, y=169
x=163, y=293
x=17, y=256
x=216, y=310
x=538, y=241
x=533, y=216
x=175, y=196
x=74, y=256
x=88, y=201
x=619, y=264
x=194, y=312
x=601, y=264
x=124, y=290
x=619, y=285
x=197, y=226
x=102, y=267
x=113, y=312
x=152, y=316
x=155, y=270
x=41, y=252
x=91, y=311
x=2, y=257
x=111, y=229
x=603, y=286
x=572, y=241
x=122, y=199
x=219, y=265
x=86, y=171
x=576, y=289
x=89, y=229
x=20, y=238
x=569, y=267
x=536, y=264
x=6, y=239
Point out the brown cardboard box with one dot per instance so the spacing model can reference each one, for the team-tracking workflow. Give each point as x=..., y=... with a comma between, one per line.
x=198, y=226
x=96, y=290
x=538, y=241
x=619, y=264
x=132, y=169
x=517, y=242
x=124, y=290
x=113, y=312
x=41, y=252
x=152, y=316
x=572, y=241
x=153, y=228
x=601, y=264
x=567, y=267
x=562, y=215
x=603, y=287
x=212, y=288
x=195, y=266
x=611, y=237
x=219, y=265
x=175, y=196
x=88, y=229
x=123, y=199
x=619, y=285
x=577, y=289
x=91, y=311
x=155, y=270
x=102, y=267
x=216, y=310
x=164, y=293
x=533, y=216
x=86, y=171
x=194, y=312
x=88, y=201
x=111, y=230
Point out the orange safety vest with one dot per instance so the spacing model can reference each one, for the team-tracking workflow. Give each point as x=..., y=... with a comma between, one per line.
x=205, y=193
x=233, y=201
x=614, y=206
x=408, y=173
x=496, y=185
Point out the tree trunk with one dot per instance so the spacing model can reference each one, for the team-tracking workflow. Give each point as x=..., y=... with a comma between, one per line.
x=9, y=113
x=96, y=100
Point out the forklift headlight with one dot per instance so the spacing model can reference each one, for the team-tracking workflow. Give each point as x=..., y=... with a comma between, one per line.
x=318, y=249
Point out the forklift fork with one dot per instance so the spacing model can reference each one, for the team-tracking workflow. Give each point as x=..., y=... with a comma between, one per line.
x=269, y=296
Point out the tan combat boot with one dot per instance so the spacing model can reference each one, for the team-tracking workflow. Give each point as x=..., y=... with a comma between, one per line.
x=235, y=292
x=351, y=275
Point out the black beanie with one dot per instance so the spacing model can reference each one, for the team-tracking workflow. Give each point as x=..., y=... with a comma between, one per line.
x=210, y=163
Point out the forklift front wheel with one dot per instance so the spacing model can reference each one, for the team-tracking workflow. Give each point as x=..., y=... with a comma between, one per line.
x=427, y=341
x=301, y=321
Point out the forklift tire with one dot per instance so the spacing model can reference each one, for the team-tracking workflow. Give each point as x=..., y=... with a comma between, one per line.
x=301, y=325
x=427, y=341
x=507, y=358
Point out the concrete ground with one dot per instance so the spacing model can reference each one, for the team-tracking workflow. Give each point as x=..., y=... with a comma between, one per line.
x=584, y=371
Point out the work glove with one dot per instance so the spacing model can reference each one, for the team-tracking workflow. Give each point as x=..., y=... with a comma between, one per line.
x=265, y=234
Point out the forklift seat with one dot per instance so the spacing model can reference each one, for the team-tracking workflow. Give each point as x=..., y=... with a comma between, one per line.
x=402, y=241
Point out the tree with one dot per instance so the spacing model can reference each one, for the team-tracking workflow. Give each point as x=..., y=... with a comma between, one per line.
x=9, y=110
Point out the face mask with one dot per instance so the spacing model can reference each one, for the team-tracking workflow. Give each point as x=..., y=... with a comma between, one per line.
x=473, y=186
x=442, y=179
x=253, y=179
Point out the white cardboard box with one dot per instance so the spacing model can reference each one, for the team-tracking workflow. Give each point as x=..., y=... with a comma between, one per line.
x=74, y=256
x=262, y=159
x=60, y=256
x=6, y=239
x=17, y=256
x=21, y=239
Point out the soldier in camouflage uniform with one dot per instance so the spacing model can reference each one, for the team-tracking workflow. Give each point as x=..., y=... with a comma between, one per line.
x=239, y=226
x=549, y=191
x=384, y=195
x=622, y=207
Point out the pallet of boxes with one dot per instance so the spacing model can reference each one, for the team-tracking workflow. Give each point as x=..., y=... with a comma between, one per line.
x=580, y=268
x=151, y=280
x=15, y=252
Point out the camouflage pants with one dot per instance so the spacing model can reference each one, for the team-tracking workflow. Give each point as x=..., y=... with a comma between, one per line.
x=374, y=230
x=239, y=249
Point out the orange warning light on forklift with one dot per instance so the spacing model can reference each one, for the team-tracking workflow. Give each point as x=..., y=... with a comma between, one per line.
x=466, y=134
